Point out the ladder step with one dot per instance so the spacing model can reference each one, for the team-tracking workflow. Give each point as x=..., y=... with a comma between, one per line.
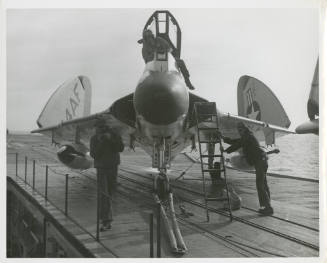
x=213, y=170
x=211, y=155
x=209, y=141
x=197, y=179
x=210, y=170
x=216, y=199
x=205, y=103
x=205, y=108
x=206, y=114
x=207, y=129
x=207, y=121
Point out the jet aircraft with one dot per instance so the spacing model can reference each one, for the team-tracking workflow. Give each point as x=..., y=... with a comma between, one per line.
x=158, y=116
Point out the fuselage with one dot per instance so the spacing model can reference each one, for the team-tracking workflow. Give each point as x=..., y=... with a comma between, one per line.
x=161, y=102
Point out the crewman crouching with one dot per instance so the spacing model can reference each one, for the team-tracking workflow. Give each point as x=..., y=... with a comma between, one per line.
x=257, y=157
x=152, y=44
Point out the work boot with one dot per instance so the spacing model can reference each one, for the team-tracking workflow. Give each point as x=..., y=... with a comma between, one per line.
x=105, y=226
x=267, y=211
x=184, y=212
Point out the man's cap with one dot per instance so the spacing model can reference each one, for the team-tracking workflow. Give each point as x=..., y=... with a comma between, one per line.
x=145, y=33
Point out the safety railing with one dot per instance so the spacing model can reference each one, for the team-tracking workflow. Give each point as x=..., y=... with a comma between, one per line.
x=38, y=176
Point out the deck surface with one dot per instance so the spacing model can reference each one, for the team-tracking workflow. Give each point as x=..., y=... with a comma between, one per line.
x=293, y=200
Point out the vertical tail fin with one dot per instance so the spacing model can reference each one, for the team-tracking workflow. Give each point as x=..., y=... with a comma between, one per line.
x=256, y=101
x=70, y=101
x=313, y=101
x=312, y=126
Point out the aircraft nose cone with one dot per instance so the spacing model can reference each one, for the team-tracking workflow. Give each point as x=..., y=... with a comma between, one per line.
x=161, y=99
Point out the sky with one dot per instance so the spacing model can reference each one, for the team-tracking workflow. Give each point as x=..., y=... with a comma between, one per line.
x=46, y=47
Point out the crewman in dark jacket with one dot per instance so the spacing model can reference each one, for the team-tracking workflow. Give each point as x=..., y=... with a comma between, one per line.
x=105, y=147
x=257, y=157
x=149, y=45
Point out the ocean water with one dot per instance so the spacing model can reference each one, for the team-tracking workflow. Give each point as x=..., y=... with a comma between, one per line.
x=299, y=156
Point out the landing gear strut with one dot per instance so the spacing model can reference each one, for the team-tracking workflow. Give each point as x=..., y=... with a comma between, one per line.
x=164, y=196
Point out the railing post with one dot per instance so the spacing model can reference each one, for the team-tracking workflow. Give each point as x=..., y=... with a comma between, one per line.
x=16, y=164
x=158, y=231
x=44, y=239
x=33, y=174
x=25, y=168
x=98, y=211
x=66, y=195
x=151, y=235
x=46, y=182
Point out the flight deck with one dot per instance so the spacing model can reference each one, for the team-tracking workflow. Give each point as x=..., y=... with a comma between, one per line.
x=53, y=210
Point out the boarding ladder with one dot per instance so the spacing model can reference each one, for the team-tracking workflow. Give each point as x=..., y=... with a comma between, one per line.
x=205, y=115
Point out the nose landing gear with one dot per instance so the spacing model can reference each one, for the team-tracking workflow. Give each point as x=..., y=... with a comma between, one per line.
x=164, y=197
